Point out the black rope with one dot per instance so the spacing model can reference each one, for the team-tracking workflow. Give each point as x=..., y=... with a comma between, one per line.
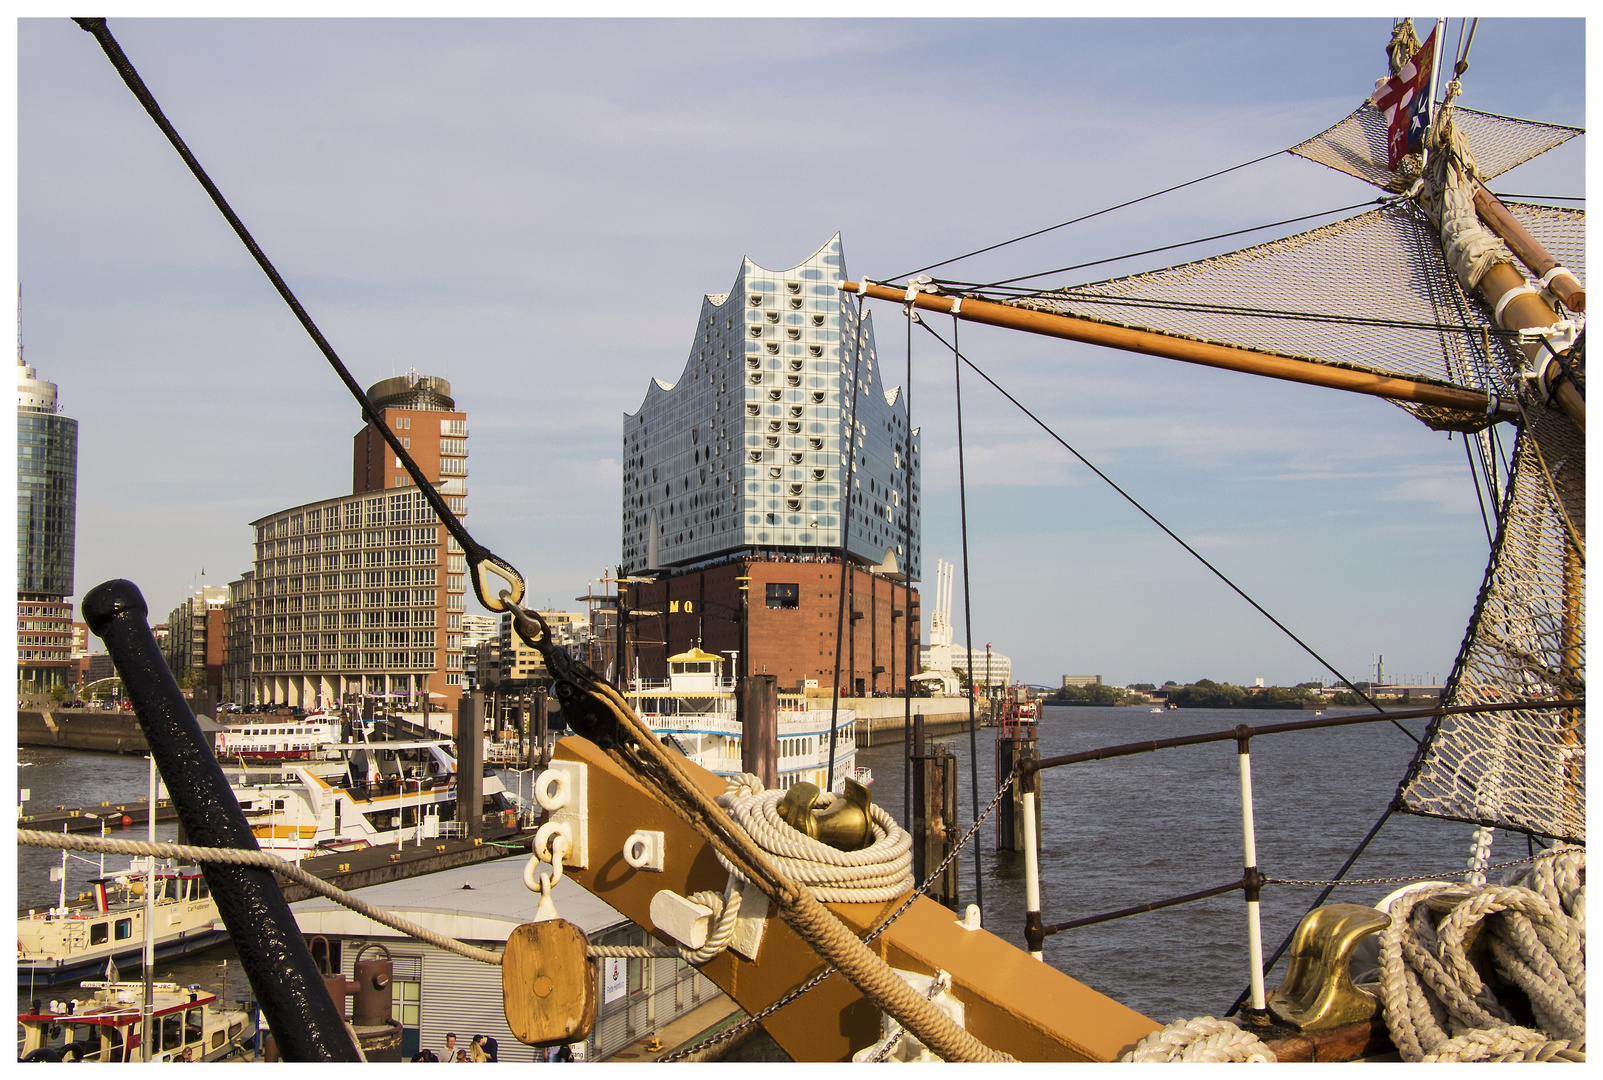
x=1480, y=501
x=475, y=552
x=1188, y=243
x=1551, y=198
x=845, y=531
x=1088, y=217
x=908, y=626
x=1269, y=964
x=968, y=615
x=1171, y=534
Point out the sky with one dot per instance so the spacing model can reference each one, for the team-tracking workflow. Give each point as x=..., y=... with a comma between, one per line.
x=532, y=209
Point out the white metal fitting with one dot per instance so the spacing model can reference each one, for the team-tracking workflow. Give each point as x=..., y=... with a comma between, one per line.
x=548, y=836
x=562, y=790
x=643, y=850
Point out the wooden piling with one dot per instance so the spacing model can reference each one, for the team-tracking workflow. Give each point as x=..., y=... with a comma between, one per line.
x=935, y=820
x=758, y=702
x=1010, y=750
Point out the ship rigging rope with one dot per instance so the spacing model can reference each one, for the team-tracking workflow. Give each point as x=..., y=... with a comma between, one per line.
x=284, y=868
x=479, y=558
x=1088, y=217
x=1383, y=200
x=1168, y=531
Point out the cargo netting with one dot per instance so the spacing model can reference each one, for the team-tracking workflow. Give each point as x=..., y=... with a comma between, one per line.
x=1357, y=145
x=1371, y=292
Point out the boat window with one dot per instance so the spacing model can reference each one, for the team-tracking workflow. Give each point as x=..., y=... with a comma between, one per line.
x=194, y=1025
x=172, y=1031
x=125, y=929
x=97, y=933
x=783, y=594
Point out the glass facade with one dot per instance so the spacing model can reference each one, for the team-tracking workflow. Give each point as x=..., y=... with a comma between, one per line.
x=47, y=497
x=750, y=449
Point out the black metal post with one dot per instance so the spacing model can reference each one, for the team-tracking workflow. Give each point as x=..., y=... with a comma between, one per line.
x=282, y=973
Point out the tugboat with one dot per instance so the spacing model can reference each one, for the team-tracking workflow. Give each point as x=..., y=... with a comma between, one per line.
x=107, y=1027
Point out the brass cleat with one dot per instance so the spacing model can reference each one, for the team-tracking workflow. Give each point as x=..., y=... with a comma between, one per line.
x=1318, y=991
x=844, y=824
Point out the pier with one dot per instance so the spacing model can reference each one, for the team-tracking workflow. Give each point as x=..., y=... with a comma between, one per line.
x=128, y=814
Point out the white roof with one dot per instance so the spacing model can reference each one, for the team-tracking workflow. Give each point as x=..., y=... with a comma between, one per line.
x=496, y=904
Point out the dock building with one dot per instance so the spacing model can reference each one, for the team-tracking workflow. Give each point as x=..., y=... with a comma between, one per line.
x=779, y=438
x=362, y=594
x=47, y=502
x=436, y=991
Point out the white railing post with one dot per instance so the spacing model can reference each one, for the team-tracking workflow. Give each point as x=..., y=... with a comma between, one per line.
x=1249, y=848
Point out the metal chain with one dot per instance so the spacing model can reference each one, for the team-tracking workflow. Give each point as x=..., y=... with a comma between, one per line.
x=1397, y=880
x=729, y=1033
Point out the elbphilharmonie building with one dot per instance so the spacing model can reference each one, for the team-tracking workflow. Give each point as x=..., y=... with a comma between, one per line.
x=749, y=450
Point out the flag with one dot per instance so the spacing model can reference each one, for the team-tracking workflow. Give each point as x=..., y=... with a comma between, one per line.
x=1404, y=99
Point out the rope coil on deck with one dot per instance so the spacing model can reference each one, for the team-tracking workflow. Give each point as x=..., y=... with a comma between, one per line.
x=1201, y=1039
x=880, y=872
x=1449, y=945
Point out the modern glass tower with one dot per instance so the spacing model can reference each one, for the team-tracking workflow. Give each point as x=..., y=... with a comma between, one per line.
x=47, y=499
x=749, y=451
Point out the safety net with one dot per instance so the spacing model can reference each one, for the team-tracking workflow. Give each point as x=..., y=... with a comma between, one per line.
x=1370, y=292
x=1357, y=145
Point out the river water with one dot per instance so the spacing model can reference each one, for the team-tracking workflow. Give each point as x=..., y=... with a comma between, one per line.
x=1132, y=830
x=1115, y=834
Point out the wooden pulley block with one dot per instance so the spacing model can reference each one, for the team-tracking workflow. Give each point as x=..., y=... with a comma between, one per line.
x=548, y=983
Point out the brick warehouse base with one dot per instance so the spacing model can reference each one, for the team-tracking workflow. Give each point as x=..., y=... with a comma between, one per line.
x=786, y=627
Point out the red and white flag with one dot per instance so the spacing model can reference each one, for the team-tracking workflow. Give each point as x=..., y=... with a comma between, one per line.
x=1404, y=99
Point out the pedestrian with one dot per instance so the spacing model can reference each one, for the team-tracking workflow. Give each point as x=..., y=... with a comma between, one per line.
x=476, y=1051
x=566, y=1053
x=450, y=1051
x=461, y=1056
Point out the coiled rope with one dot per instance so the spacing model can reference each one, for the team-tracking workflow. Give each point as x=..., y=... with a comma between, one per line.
x=880, y=872
x=1202, y=1039
x=669, y=775
x=1449, y=944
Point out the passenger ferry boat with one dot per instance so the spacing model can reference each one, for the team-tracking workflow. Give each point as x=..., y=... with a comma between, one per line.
x=281, y=738
x=364, y=795
x=108, y=1026
x=67, y=943
x=694, y=713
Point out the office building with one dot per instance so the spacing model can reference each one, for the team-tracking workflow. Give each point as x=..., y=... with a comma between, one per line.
x=779, y=439
x=360, y=595
x=197, y=637
x=47, y=497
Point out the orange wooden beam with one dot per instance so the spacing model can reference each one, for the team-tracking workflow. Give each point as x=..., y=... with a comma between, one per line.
x=1190, y=351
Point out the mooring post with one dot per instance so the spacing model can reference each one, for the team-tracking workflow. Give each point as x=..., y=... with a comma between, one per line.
x=758, y=700
x=282, y=973
x=470, y=762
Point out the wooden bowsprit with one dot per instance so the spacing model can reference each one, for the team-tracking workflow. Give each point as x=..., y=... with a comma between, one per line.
x=1013, y=1003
